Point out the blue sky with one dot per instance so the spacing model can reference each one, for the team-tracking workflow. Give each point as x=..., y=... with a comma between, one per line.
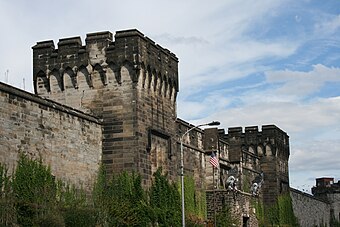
x=250, y=63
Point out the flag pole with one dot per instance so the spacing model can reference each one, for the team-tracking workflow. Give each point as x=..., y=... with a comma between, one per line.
x=214, y=196
x=214, y=162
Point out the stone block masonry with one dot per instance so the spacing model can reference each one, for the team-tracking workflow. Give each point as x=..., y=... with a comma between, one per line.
x=240, y=206
x=130, y=82
x=265, y=151
x=114, y=102
x=67, y=140
x=309, y=210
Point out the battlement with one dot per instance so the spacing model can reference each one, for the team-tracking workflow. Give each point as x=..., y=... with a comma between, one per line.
x=253, y=131
x=327, y=190
x=267, y=141
x=129, y=49
x=97, y=36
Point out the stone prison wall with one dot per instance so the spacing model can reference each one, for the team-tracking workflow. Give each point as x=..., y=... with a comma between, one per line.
x=309, y=210
x=67, y=140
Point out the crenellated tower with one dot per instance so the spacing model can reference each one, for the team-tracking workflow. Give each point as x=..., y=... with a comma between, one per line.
x=258, y=152
x=274, y=153
x=130, y=82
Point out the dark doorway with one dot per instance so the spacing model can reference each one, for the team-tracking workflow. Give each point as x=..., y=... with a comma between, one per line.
x=245, y=221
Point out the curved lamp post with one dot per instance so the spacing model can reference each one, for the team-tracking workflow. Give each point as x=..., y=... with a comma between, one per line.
x=213, y=123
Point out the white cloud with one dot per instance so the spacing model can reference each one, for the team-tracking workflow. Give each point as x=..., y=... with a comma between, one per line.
x=204, y=36
x=283, y=104
x=291, y=117
x=314, y=131
x=314, y=159
x=314, y=156
x=328, y=26
x=299, y=84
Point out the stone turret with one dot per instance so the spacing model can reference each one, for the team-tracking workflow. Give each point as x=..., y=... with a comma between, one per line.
x=130, y=82
x=274, y=162
x=257, y=152
x=328, y=190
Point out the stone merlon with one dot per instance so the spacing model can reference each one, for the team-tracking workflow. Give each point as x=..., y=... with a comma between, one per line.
x=130, y=47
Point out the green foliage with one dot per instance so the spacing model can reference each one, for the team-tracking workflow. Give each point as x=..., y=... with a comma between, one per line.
x=224, y=218
x=259, y=212
x=80, y=216
x=4, y=179
x=69, y=196
x=285, y=210
x=51, y=220
x=195, y=202
x=100, y=196
x=7, y=209
x=120, y=201
x=246, y=182
x=127, y=200
x=164, y=201
x=74, y=206
x=272, y=216
x=334, y=222
x=280, y=214
x=32, y=197
x=34, y=189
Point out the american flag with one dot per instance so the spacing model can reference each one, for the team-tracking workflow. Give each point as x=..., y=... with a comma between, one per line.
x=213, y=160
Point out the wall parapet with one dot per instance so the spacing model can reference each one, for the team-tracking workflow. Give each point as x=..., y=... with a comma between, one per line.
x=309, y=210
x=101, y=53
x=47, y=103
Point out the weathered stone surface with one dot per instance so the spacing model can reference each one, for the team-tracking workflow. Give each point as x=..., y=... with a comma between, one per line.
x=240, y=205
x=67, y=140
x=130, y=84
x=309, y=210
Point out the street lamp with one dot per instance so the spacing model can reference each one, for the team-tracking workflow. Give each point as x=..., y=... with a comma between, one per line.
x=213, y=123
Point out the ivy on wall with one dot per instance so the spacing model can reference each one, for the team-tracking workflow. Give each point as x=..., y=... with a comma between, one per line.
x=246, y=182
x=33, y=197
x=195, y=202
x=164, y=201
x=225, y=218
x=34, y=190
x=259, y=212
x=7, y=209
x=279, y=214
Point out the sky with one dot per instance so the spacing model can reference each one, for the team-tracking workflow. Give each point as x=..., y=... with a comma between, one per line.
x=242, y=63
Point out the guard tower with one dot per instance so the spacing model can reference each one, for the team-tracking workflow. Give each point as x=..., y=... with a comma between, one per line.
x=130, y=83
x=328, y=190
x=258, y=153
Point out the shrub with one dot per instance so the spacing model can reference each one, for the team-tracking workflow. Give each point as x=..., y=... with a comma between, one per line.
x=165, y=201
x=121, y=201
x=7, y=209
x=34, y=190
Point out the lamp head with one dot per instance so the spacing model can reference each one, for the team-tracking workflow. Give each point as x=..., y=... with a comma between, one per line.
x=213, y=123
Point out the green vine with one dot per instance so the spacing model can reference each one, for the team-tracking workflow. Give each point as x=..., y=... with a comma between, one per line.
x=279, y=214
x=246, y=183
x=286, y=213
x=165, y=201
x=195, y=202
x=7, y=208
x=33, y=197
x=34, y=189
x=259, y=212
x=225, y=218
